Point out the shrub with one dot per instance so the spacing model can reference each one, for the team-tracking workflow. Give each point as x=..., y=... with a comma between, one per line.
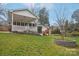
x=75, y=33
x=55, y=31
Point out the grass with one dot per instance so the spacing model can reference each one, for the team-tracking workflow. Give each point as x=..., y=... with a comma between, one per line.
x=12, y=44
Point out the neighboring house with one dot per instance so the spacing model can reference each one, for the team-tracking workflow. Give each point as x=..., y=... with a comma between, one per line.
x=25, y=21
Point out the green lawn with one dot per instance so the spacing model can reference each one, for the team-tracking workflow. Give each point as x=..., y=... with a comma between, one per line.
x=31, y=45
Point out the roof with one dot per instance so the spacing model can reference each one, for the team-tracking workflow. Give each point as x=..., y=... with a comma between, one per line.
x=24, y=12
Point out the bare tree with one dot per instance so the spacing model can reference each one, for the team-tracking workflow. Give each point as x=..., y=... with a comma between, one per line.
x=61, y=19
x=3, y=14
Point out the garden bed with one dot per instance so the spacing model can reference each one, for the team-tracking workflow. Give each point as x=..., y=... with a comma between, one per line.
x=71, y=44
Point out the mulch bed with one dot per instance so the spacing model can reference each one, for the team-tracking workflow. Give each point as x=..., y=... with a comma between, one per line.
x=71, y=44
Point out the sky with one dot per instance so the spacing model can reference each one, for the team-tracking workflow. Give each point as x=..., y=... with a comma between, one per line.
x=51, y=7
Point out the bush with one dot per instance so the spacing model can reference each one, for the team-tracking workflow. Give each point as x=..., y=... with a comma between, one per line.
x=55, y=31
x=75, y=33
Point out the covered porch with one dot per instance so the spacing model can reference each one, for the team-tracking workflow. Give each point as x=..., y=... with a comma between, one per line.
x=21, y=22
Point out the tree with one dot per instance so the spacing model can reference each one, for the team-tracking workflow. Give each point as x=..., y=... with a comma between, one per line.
x=75, y=16
x=3, y=14
x=43, y=16
x=66, y=27
x=62, y=21
x=71, y=27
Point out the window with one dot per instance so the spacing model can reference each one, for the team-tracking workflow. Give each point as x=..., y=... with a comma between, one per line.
x=22, y=24
x=14, y=23
x=18, y=23
x=30, y=24
x=25, y=24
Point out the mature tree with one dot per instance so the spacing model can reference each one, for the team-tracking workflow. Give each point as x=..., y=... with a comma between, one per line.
x=62, y=21
x=75, y=16
x=3, y=14
x=71, y=26
x=43, y=16
x=66, y=26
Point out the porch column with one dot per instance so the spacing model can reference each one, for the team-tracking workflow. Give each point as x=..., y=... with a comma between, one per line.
x=12, y=22
x=20, y=23
x=27, y=27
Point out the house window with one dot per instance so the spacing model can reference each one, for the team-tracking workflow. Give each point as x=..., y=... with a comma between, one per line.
x=22, y=24
x=25, y=24
x=14, y=23
x=30, y=24
x=18, y=23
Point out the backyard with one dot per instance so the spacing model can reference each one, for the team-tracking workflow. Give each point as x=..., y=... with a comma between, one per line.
x=12, y=44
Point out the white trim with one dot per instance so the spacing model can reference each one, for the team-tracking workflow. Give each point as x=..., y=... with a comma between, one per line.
x=12, y=21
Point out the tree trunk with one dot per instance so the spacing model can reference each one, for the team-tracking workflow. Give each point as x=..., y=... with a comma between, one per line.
x=62, y=34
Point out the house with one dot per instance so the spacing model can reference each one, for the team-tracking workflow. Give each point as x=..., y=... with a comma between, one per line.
x=24, y=20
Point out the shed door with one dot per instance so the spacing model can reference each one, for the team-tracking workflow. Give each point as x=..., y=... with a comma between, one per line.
x=39, y=29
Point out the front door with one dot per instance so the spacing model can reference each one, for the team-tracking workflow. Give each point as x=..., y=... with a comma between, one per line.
x=39, y=29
